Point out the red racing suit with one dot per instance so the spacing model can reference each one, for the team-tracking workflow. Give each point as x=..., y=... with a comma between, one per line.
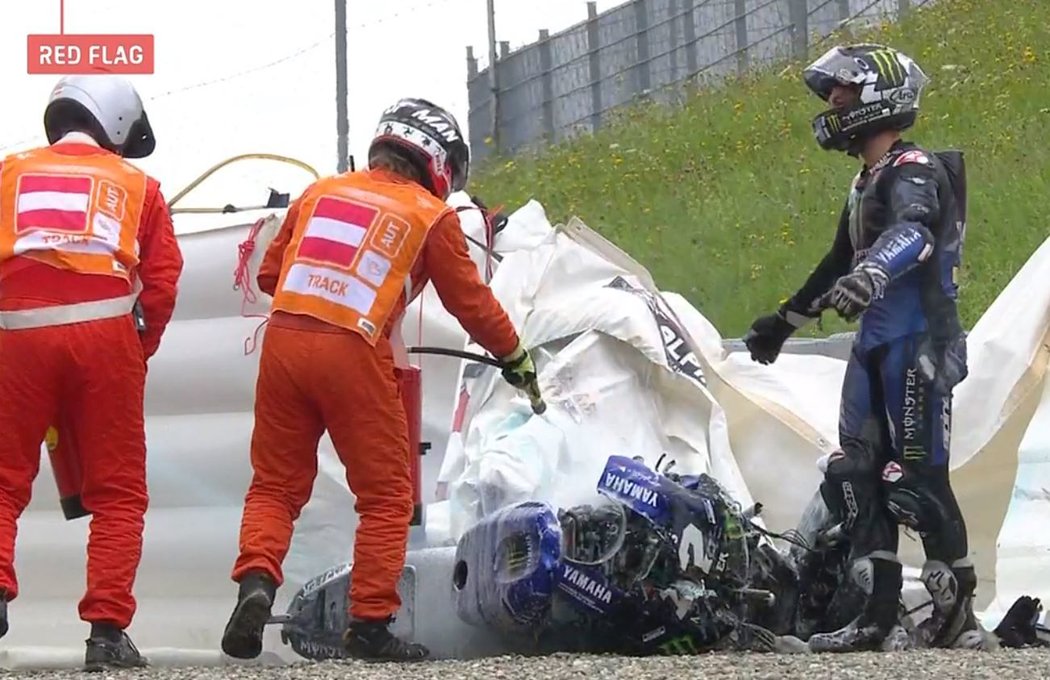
x=79, y=224
x=352, y=253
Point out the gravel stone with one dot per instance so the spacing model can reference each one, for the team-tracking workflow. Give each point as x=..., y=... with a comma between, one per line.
x=1004, y=664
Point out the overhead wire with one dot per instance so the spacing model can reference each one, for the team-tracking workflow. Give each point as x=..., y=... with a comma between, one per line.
x=262, y=67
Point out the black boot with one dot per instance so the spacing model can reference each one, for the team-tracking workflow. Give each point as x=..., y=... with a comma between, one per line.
x=3, y=614
x=373, y=640
x=243, y=636
x=110, y=647
x=881, y=579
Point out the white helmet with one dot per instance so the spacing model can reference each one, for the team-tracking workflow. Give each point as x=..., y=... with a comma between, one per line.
x=107, y=107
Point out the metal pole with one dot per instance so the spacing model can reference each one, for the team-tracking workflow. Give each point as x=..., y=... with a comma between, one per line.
x=342, y=116
x=493, y=78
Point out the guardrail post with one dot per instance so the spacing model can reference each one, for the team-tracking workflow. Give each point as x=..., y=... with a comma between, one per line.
x=595, y=71
x=799, y=16
x=689, y=36
x=546, y=68
x=641, y=18
x=672, y=33
x=743, y=58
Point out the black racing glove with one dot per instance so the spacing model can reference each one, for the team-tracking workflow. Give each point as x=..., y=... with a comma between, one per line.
x=768, y=334
x=1018, y=627
x=854, y=292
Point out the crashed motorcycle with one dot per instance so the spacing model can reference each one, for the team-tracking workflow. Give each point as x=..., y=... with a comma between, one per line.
x=663, y=564
x=669, y=564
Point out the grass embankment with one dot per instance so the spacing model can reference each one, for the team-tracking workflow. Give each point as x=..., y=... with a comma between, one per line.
x=729, y=201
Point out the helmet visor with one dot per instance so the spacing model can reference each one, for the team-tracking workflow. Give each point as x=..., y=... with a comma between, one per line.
x=832, y=69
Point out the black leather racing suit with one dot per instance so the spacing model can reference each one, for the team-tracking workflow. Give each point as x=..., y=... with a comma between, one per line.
x=906, y=214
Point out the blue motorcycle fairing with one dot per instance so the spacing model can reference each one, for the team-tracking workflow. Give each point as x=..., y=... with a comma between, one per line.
x=504, y=573
x=635, y=485
x=685, y=512
x=587, y=588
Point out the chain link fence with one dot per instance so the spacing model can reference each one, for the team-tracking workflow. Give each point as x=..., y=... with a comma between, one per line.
x=569, y=82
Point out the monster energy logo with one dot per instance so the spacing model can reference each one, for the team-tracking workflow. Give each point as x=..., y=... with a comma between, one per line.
x=733, y=528
x=679, y=646
x=891, y=72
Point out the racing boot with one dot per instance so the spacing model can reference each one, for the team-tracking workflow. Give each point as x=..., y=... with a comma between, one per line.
x=243, y=637
x=876, y=626
x=952, y=623
x=373, y=641
x=110, y=648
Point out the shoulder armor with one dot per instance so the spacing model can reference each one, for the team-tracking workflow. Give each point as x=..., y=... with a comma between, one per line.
x=913, y=156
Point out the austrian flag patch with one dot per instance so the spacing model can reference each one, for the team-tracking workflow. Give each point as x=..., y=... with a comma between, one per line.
x=335, y=232
x=53, y=202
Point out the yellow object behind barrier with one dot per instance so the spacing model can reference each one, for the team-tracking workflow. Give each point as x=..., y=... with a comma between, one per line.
x=218, y=166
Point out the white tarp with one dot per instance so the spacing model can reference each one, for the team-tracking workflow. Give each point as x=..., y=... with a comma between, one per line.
x=766, y=423
x=622, y=380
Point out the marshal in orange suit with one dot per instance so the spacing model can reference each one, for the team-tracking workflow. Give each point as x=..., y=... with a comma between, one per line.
x=354, y=250
x=85, y=238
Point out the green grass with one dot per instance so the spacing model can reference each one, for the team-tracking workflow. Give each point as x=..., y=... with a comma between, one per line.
x=729, y=201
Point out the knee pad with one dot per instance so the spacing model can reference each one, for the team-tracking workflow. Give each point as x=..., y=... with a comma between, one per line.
x=911, y=502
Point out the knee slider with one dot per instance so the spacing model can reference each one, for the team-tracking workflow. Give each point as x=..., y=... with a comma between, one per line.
x=911, y=502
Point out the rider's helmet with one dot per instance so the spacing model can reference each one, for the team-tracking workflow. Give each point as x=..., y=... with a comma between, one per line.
x=104, y=106
x=888, y=84
x=432, y=139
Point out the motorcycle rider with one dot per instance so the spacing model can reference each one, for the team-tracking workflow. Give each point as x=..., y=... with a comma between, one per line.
x=892, y=263
x=353, y=252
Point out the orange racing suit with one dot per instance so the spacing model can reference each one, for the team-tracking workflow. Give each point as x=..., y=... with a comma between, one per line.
x=81, y=226
x=352, y=253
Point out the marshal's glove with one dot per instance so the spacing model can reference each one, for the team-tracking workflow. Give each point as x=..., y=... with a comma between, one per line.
x=520, y=371
x=854, y=292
